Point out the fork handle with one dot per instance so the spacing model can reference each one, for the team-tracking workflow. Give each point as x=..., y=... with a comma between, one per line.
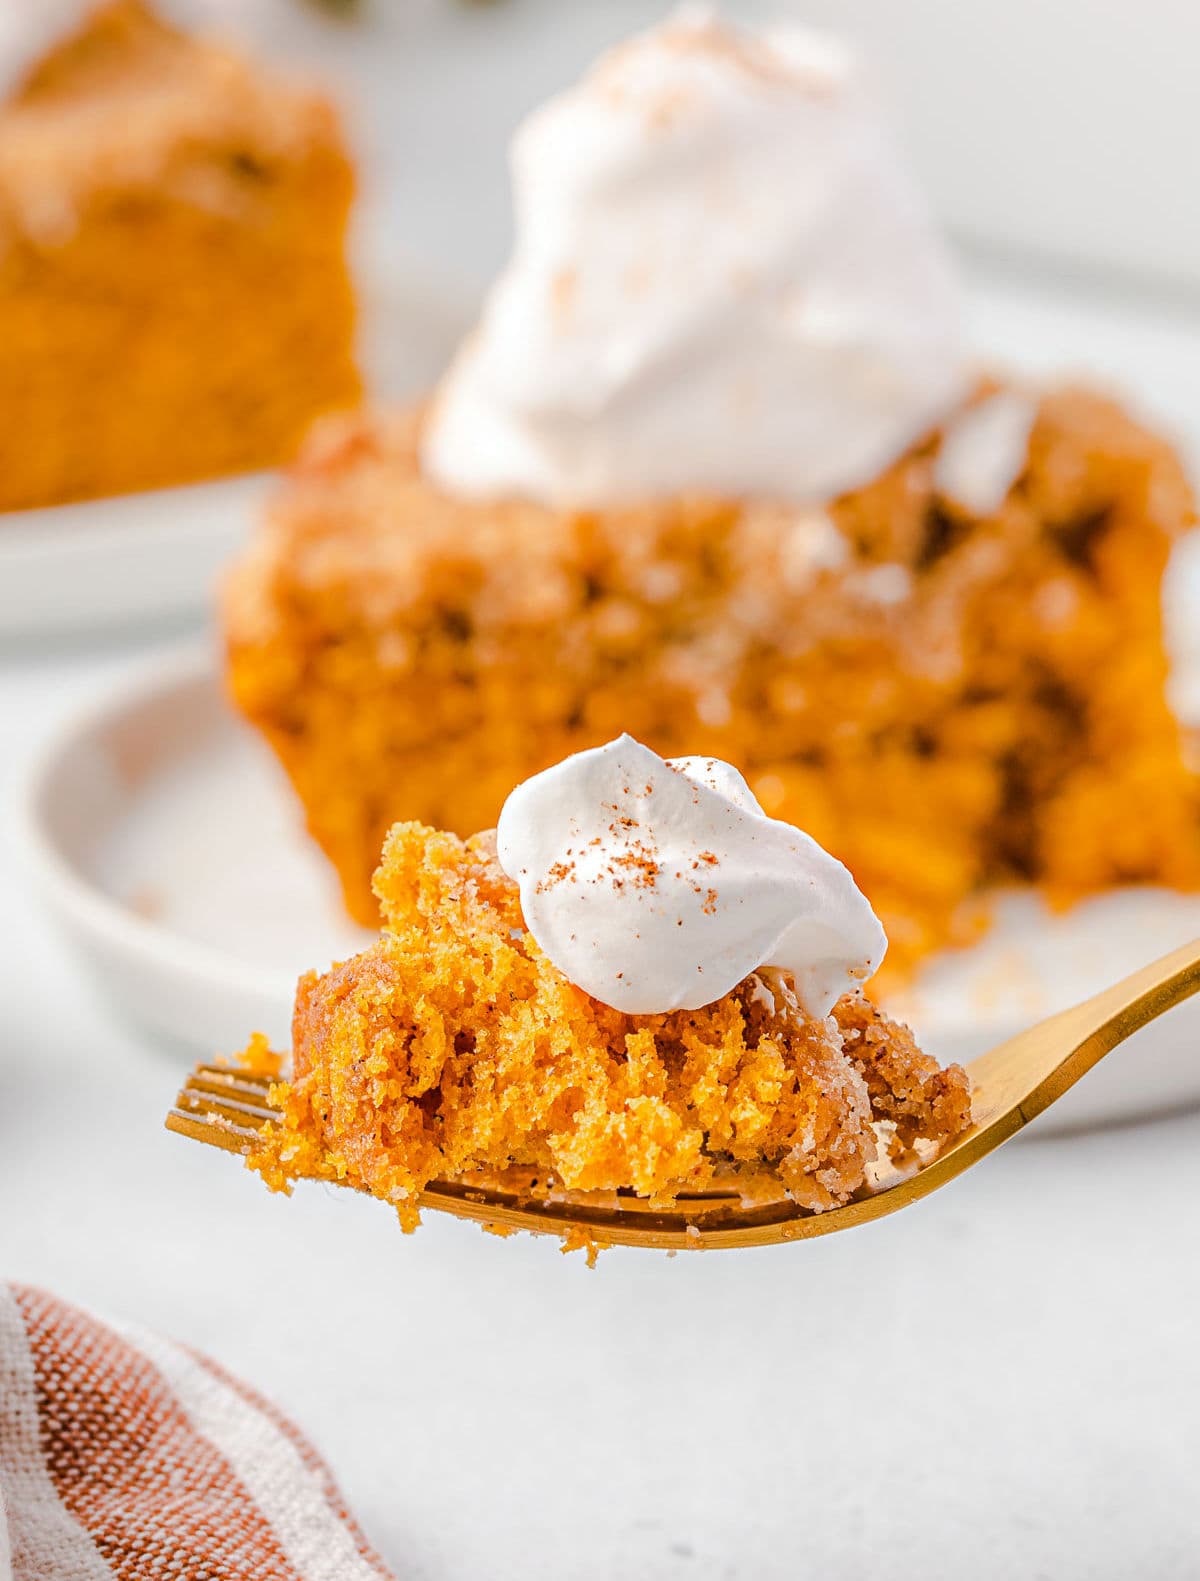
x=1092, y=1029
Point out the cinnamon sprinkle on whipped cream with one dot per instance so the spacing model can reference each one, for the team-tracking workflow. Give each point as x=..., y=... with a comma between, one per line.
x=659, y=884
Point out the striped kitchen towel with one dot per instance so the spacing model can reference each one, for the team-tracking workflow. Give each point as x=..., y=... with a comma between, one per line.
x=126, y=1457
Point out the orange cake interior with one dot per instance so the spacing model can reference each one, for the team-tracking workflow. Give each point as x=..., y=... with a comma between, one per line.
x=453, y=1047
x=174, y=297
x=950, y=702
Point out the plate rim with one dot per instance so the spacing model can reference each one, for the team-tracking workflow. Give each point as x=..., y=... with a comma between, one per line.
x=58, y=562
x=71, y=894
x=31, y=526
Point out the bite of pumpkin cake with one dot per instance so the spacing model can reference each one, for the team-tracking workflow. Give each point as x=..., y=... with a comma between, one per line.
x=722, y=1038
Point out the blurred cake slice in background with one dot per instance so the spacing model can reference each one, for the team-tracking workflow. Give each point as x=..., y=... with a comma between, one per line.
x=717, y=468
x=175, y=302
x=947, y=701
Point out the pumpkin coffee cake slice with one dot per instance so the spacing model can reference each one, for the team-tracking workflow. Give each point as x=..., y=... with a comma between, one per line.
x=175, y=300
x=725, y=474
x=639, y=983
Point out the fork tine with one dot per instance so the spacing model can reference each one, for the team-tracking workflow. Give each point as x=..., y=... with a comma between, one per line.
x=251, y=1115
x=213, y=1129
x=238, y=1095
x=224, y=1107
x=222, y=1078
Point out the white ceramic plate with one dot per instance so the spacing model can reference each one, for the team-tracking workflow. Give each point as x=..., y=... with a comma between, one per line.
x=155, y=556
x=137, y=557
x=168, y=845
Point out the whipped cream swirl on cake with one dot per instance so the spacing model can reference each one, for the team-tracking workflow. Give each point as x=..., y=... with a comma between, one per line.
x=659, y=884
x=724, y=281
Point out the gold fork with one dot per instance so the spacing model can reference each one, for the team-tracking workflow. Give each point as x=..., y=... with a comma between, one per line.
x=1010, y=1085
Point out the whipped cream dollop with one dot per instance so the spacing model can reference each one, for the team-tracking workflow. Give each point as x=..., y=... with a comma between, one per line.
x=723, y=281
x=985, y=451
x=659, y=884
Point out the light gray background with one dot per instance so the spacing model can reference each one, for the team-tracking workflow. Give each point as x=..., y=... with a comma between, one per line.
x=1001, y=1383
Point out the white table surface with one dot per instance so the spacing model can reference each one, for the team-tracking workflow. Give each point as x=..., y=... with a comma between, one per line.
x=1002, y=1382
